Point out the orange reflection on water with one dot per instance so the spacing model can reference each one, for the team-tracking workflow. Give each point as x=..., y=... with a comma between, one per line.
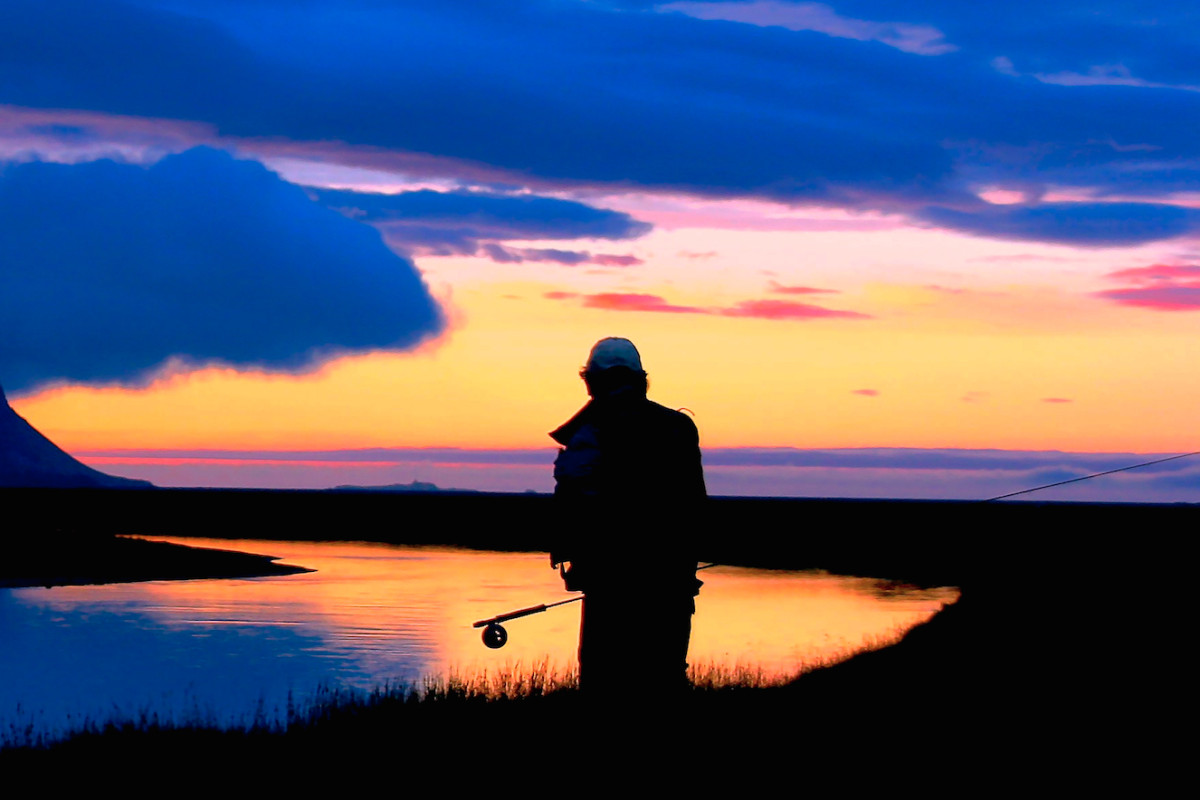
x=403, y=612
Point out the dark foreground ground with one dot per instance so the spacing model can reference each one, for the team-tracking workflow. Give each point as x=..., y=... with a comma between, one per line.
x=1066, y=647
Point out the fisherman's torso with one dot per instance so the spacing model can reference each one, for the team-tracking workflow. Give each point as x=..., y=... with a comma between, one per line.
x=630, y=482
x=626, y=451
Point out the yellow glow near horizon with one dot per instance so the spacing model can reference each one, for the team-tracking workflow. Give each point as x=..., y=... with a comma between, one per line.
x=971, y=365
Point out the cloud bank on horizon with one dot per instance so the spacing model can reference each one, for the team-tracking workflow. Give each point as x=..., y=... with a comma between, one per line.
x=111, y=270
x=916, y=110
x=882, y=472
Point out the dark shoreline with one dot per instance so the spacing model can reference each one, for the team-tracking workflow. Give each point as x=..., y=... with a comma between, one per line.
x=71, y=559
x=1035, y=652
x=943, y=543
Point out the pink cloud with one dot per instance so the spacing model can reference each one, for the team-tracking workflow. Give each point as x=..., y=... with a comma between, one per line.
x=1023, y=257
x=606, y=260
x=615, y=301
x=777, y=288
x=866, y=392
x=1160, y=287
x=1157, y=273
x=1057, y=400
x=784, y=309
x=757, y=309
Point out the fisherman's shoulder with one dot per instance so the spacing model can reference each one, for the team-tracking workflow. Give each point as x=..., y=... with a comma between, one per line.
x=669, y=417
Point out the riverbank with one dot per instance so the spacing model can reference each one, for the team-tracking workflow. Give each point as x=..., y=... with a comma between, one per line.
x=77, y=559
x=1054, y=595
x=879, y=699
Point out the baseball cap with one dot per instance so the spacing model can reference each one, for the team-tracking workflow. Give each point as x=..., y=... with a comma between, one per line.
x=613, y=352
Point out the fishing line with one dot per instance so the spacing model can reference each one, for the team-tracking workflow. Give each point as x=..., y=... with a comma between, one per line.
x=1089, y=477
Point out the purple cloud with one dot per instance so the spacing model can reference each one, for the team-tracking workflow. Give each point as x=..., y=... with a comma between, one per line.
x=1160, y=287
x=503, y=254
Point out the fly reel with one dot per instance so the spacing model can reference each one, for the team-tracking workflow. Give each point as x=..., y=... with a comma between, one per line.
x=494, y=636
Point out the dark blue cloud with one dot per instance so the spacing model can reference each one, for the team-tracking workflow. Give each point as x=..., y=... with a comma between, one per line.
x=1086, y=224
x=110, y=269
x=558, y=91
x=582, y=93
x=1156, y=40
x=494, y=216
x=457, y=222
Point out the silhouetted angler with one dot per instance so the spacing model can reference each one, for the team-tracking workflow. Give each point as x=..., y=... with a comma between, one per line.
x=630, y=483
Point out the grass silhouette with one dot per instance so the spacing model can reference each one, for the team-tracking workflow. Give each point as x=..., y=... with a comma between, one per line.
x=920, y=701
x=524, y=698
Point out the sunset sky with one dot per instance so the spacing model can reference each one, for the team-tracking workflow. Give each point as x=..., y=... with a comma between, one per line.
x=923, y=249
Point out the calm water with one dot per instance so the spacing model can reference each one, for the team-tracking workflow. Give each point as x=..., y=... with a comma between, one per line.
x=373, y=613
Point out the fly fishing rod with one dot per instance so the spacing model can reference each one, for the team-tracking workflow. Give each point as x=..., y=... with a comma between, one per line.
x=494, y=634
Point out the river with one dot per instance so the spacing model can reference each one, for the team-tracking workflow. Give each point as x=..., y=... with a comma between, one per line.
x=232, y=651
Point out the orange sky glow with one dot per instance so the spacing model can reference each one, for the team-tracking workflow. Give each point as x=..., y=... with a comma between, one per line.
x=962, y=344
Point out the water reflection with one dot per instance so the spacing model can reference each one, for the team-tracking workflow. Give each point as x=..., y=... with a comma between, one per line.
x=373, y=613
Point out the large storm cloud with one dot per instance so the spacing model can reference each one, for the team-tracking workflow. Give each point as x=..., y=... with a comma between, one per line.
x=107, y=270
x=662, y=100
x=852, y=112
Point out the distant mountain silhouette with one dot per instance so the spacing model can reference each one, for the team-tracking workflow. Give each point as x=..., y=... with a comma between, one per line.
x=29, y=459
x=415, y=486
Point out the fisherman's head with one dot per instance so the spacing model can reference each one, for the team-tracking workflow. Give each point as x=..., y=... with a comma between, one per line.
x=614, y=364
